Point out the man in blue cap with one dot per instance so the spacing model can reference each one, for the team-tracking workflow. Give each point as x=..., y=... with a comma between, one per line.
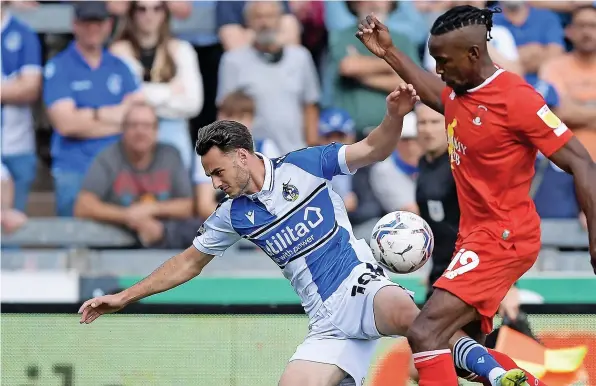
x=336, y=125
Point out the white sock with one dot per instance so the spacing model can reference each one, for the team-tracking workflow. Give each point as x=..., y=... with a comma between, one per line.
x=495, y=375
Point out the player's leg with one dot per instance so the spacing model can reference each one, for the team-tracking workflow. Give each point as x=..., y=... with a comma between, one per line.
x=307, y=373
x=440, y=318
x=471, y=289
x=395, y=312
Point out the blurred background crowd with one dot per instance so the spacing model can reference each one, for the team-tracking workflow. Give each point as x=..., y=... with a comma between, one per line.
x=100, y=123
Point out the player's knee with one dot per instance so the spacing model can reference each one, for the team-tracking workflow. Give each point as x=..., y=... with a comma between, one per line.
x=420, y=338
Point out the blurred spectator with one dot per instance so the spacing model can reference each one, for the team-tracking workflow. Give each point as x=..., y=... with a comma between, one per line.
x=280, y=78
x=234, y=27
x=553, y=191
x=311, y=16
x=574, y=77
x=436, y=195
x=140, y=184
x=401, y=17
x=21, y=87
x=11, y=218
x=205, y=42
x=178, y=9
x=363, y=81
x=502, y=48
x=535, y=42
x=336, y=125
x=87, y=91
x=169, y=69
x=393, y=181
x=238, y=107
x=431, y=10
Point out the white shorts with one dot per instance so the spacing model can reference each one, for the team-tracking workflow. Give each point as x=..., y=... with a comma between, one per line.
x=343, y=332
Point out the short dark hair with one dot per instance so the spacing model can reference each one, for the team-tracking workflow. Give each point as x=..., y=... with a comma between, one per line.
x=225, y=135
x=463, y=16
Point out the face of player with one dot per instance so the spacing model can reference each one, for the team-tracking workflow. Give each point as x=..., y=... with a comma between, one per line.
x=245, y=118
x=456, y=62
x=264, y=18
x=431, y=130
x=228, y=171
x=91, y=34
x=149, y=16
x=582, y=31
x=140, y=130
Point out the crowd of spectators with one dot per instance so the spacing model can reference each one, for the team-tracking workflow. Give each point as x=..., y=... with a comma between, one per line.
x=125, y=96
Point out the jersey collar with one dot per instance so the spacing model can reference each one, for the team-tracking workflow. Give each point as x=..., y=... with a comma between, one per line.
x=269, y=178
x=487, y=80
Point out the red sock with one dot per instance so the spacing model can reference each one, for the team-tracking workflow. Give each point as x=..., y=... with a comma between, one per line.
x=435, y=368
x=507, y=363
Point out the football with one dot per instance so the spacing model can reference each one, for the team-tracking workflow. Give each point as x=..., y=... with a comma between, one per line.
x=402, y=242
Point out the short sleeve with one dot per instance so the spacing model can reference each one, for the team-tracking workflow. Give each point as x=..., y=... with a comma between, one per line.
x=216, y=234
x=97, y=179
x=554, y=34
x=56, y=84
x=227, y=77
x=130, y=81
x=4, y=173
x=31, y=53
x=535, y=122
x=229, y=12
x=322, y=161
x=548, y=92
x=311, y=87
x=181, y=185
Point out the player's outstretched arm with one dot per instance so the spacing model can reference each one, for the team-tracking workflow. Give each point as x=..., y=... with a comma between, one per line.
x=575, y=159
x=177, y=270
x=376, y=37
x=379, y=144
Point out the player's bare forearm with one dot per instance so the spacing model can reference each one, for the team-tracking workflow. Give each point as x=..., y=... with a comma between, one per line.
x=175, y=271
x=377, y=146
x=575, y=159
x=428, y=86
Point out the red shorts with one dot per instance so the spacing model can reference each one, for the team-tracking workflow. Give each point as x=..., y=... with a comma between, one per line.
x=483, y=270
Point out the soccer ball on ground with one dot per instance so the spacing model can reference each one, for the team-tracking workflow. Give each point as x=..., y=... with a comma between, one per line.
x=402, y=242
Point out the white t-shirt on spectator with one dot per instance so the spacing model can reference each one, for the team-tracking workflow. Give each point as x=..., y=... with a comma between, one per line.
x=502, y=40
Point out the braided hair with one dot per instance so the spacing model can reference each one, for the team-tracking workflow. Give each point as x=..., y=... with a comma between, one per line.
x=463, y=16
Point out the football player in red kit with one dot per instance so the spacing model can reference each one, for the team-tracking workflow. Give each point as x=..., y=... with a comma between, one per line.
x=496, y=123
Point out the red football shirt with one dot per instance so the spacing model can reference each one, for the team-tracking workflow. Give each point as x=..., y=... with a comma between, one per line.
x=494, y=133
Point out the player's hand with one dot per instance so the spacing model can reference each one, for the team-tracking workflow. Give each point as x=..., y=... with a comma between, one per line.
x=401, y=101
x=94, y=308
x=374, y=35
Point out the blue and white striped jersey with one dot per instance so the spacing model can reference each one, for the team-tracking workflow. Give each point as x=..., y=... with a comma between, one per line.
x=297, y=220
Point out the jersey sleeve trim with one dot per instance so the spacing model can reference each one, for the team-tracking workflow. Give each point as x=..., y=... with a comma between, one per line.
x=341, y=159
x=201, y=248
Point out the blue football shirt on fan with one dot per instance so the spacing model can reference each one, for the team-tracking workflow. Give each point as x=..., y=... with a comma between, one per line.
x=68, y=76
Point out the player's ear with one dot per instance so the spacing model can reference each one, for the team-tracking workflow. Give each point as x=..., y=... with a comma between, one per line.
x=474, y=53
x=243, y=156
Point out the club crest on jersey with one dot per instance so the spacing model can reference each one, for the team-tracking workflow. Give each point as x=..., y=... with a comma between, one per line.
x=479, y=115
x=289, y=192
